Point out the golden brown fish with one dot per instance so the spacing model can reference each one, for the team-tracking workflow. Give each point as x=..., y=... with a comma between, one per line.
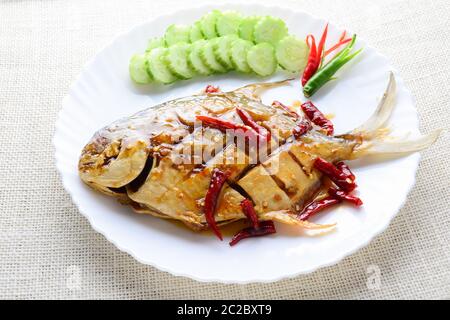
x=160, y=162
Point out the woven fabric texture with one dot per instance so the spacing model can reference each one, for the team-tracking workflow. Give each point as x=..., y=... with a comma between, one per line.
x=49, y=250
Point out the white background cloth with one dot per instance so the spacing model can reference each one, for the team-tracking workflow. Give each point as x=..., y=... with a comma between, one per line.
x=49, y=250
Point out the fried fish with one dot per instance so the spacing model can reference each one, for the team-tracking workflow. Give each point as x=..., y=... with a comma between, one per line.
x=160, y=162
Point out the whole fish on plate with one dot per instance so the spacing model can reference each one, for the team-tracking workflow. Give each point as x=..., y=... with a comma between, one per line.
x=161, y=162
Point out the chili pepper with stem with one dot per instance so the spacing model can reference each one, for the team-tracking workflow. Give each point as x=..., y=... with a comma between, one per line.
x=326, y=73
x=218, y=179
x=317, y=117
x=265, y=228
x=336, y=175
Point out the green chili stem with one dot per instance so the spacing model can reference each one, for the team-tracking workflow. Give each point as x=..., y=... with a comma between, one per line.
x=325, y=73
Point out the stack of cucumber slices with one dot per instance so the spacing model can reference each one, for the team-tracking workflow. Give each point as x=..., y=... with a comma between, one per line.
x=217, y=43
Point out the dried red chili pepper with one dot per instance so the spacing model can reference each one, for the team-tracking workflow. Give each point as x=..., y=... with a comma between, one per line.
x=344, y=196
x=211, y=89
x=218, y=179
x=315, y=55
x=248, y=121
x=345, y=169
x=222, y=124
x=317, y=117
x=302, y=127
x=336, y=175
x=282, y=106
x=316, y=206
x=250, y=213
x=265, y=228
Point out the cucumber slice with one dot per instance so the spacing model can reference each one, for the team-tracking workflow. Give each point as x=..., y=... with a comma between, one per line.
x=208, y=24
x=195, y=33
x=247, y=27
x=155, y=43
x=195, y=61
x=222, y=50
x=270, y=29
x=177, y=61
x=228, y=23
x=138, y=69
x=238, y=51
x=157, y=64
x=209, y=58
x=176, y=34
x=261, y=59
x=292, y=54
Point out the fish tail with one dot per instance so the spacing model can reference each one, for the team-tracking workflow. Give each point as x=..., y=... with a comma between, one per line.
x=373, y=134
x=381, y=115
x=381, y=146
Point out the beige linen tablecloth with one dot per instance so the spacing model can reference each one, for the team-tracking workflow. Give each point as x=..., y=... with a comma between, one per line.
x=49, y=250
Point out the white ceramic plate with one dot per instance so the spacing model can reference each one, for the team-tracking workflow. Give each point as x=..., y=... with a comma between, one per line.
x=103, y=93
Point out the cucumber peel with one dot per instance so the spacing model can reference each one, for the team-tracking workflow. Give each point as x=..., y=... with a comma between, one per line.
x=138, y=69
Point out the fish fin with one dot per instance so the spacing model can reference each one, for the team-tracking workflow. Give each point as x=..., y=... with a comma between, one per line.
x=374, y=135
x=383, y=147
x=256, y=89
x=381, y=115
x=287, y=217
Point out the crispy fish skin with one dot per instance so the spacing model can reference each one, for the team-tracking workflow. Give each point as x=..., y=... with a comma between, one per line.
x=149, y=161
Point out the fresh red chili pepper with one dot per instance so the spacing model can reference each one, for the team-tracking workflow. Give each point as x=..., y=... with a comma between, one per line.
x=313, y=60
x=282, y=106
x=218, y=179
x=345, y=169
x=211, y=89
x=265, y=228
x=336, y=175
x=315, y=55
x=341, y=42
x=248, y=121
x=344, y=196
x=343, y=36
x=250, y=213
x=325, y=73
x=317, y=117
x=302, y=127
x=321, y=47
x=317, y=206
